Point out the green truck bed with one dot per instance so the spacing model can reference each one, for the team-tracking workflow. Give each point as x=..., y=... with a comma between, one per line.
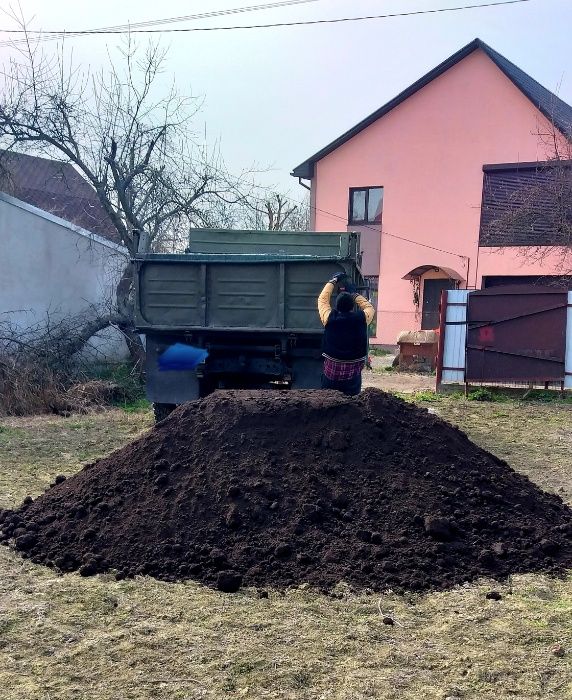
x=310, y=245
x=247, y=297
x=223, y=284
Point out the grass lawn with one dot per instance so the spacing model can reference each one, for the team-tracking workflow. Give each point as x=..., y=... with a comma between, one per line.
x=65, y=637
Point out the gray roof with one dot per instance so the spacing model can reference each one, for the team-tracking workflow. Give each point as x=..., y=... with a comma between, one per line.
x=555, y=109
x=56, y=188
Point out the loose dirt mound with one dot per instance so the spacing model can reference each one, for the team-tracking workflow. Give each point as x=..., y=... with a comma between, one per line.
x=275, y=489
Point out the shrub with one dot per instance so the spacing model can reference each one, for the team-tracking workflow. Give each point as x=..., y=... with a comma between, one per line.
x=481, y=394
x=430, y=396
x=42, y=370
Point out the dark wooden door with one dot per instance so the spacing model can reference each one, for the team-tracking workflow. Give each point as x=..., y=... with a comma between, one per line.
x=431, y=298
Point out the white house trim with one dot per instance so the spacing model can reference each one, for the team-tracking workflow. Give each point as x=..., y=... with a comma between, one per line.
x=62, y=222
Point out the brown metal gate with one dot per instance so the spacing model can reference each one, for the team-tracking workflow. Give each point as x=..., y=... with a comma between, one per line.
x=516, y=333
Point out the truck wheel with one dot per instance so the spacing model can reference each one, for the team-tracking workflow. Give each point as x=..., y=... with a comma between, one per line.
x=162, y=410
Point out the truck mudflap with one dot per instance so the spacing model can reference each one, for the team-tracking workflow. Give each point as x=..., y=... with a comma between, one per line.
x=173, y=386
x=306, y=373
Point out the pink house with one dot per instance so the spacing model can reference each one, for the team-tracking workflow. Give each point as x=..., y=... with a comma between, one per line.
x=417, y=176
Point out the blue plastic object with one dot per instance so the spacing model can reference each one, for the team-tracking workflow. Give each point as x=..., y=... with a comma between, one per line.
x=181, y=357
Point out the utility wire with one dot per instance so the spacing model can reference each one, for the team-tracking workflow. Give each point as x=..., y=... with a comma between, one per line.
x=265, y=26
x=52, y=35
x=343, y=218
x=386, y=233
x=213, y=13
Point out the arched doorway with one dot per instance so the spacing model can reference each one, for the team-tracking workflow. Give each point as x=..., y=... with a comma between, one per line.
x=431, y=281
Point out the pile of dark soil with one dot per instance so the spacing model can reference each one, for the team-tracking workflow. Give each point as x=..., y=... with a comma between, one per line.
x=276, y=489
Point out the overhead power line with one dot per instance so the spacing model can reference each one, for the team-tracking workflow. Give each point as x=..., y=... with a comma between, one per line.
x=120, y=28
x=333, y=215
x=300, y=23
x=212, y=13
x=385, y=233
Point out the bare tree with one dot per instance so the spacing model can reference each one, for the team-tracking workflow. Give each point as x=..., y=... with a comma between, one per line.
x=130, y=137
x=300, y=219
x=275, y=212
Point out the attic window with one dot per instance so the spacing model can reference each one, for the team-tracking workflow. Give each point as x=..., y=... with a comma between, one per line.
x=366, y=205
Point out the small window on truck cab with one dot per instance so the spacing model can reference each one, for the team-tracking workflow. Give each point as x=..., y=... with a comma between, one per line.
x=365, y=205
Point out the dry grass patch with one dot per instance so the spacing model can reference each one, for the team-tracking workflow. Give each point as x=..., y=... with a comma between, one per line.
x=535, y=438
x=35, y=449
x=68, y=638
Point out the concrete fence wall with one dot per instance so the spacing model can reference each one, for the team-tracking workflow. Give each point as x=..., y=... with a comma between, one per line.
x=52, y=269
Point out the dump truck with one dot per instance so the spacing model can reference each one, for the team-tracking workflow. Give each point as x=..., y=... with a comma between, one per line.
x=249, y=299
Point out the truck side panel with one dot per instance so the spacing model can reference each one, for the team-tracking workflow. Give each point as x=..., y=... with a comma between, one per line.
x=325, y=245
x=170, y=294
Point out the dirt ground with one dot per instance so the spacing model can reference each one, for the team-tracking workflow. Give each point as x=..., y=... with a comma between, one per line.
x=381, y=376
x=65, y=637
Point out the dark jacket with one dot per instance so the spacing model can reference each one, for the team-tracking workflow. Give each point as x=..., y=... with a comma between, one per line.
x=345, y=336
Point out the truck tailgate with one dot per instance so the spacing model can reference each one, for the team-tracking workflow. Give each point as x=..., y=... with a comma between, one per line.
x=189, y=292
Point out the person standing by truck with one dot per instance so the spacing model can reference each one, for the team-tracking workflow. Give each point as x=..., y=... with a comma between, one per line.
x=345, y=335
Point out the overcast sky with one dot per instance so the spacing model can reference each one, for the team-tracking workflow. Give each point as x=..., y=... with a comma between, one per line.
x=273, y=97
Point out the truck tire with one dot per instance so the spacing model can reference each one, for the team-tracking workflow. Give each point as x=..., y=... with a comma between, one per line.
x=162, y=410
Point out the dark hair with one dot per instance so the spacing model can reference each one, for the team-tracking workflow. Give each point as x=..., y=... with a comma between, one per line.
x=344, y=302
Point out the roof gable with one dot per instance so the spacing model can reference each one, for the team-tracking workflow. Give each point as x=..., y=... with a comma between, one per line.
x=549, y=104
x=56, y=188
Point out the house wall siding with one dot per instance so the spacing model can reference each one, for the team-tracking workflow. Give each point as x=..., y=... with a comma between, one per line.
x=428, y=154
x=50, y=270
